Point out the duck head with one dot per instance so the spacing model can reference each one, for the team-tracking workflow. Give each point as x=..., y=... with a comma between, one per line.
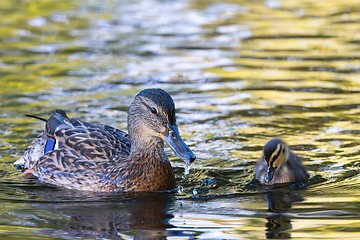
x=275, y=155
x=151, y=120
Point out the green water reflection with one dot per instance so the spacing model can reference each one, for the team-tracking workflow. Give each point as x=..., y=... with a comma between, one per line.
x=240, y=73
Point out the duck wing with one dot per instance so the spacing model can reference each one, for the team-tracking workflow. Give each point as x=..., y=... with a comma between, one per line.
x=76, y=153
x=92, y=141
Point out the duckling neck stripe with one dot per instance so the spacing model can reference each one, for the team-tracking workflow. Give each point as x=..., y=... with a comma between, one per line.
x=50, y=145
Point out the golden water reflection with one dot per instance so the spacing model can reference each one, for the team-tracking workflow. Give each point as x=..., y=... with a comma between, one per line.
x=240, y=73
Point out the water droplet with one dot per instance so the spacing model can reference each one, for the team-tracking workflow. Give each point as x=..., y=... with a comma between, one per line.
x=187, y=169
x=180, y=189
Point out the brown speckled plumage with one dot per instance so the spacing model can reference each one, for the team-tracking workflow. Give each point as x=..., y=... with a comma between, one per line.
x=98, y=157
x=286, y=166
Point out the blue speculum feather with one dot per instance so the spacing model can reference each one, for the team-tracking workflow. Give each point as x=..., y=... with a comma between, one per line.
x=50, y=145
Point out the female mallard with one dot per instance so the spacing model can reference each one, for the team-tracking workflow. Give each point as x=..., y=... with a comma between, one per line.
x=279, y=165
x=86, y=156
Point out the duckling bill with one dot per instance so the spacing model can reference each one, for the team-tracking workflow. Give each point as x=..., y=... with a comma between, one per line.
x=279, y=165
x=95, y=157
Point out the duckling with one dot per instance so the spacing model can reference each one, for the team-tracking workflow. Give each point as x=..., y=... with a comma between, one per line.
x=279, y=165
x=93, y=157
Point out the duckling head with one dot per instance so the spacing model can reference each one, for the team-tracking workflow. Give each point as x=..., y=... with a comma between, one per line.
x=151, y=120
x=275, y=155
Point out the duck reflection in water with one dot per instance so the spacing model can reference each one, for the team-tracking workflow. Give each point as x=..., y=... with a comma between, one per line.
x=141, y=215
x=279, y=204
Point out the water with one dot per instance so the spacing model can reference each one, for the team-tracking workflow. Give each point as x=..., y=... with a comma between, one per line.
x=240, y=73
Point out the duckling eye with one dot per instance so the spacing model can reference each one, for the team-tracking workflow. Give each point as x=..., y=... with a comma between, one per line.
x=276, y=156
x=153, y=110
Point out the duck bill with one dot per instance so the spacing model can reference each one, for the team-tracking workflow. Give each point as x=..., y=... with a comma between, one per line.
x=269, y=174
x=172, y=137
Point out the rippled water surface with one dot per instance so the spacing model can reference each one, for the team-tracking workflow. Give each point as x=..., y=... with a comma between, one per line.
x=240, y=73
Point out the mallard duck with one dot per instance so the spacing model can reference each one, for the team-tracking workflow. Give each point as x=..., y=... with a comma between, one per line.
x=94, y=157
x=279, y=165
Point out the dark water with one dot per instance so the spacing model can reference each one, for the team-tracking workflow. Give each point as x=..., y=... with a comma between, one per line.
x=240, y=73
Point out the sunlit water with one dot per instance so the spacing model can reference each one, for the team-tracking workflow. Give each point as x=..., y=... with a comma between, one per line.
x=240, y=74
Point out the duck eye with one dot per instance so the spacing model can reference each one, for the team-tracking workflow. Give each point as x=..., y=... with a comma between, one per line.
x=153, y=110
